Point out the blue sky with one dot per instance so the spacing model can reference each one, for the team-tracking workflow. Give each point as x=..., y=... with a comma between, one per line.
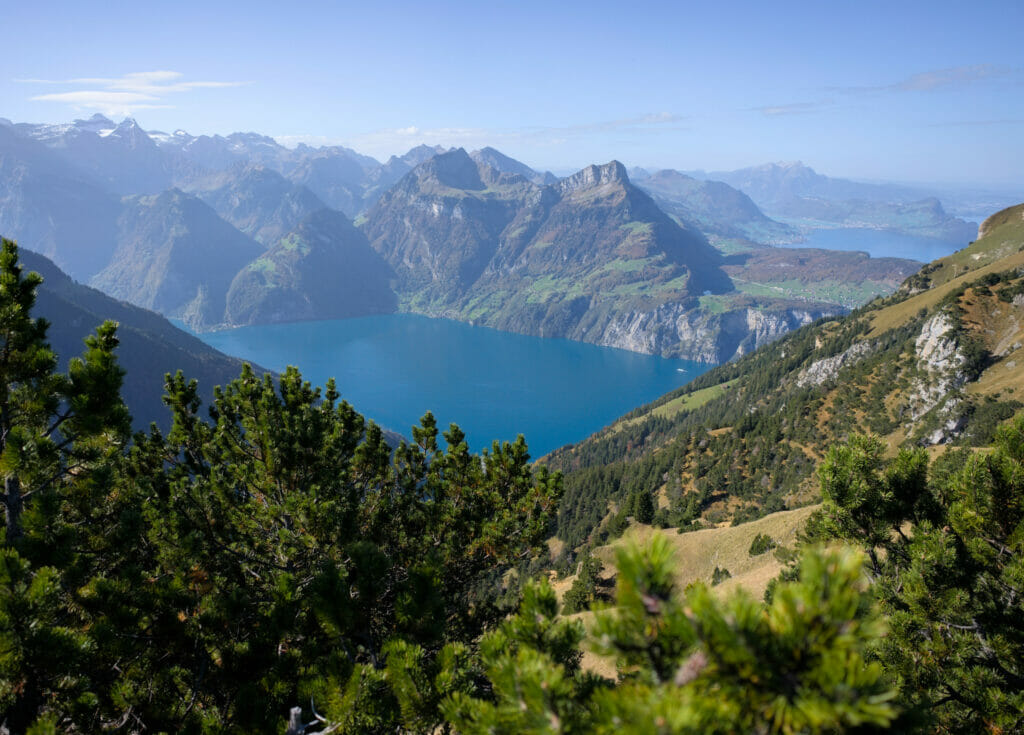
x=906, y=91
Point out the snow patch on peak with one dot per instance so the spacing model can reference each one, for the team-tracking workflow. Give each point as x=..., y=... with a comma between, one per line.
x=95, y=124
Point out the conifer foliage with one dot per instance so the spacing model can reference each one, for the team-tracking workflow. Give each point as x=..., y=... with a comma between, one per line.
x=209, y=579
x=693, y=663
x=584, y=588
x=58, y=436
x=947, y=549
x=273, y=551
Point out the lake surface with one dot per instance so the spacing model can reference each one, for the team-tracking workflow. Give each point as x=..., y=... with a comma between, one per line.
x=879, y=243
x=493, y=384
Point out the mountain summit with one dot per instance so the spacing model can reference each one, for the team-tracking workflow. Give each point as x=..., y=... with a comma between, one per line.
x=589, y=257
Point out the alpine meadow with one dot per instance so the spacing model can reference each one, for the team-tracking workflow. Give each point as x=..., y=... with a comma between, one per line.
x=323, y=411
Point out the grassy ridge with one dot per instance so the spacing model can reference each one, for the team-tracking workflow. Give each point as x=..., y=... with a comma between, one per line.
x=717, y=454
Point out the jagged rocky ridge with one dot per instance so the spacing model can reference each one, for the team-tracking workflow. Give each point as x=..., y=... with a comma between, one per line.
x=590, y=257
x=478, y=237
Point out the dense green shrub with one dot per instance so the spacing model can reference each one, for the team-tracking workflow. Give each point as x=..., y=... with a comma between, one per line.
x=761, y=544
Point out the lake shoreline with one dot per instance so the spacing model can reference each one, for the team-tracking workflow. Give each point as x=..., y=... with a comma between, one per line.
x=493, y=384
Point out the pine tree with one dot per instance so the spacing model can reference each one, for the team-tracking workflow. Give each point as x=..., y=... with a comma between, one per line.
x=762, y=544
x=643, y=507
x=584, y=587
x=691, y=665
x=952, y=575
x=290, y=544
x=59, y=434
x=48, y=422
x=533, y=664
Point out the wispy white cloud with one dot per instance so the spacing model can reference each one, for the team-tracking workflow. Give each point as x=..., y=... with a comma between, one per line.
x=977, y=123
x=935, y=79
x=792, y=108
x=385, y=142
x=650, y=121
x=120, y=96
x=926, y=81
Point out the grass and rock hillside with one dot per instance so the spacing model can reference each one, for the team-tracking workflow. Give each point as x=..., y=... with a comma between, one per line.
x=938, y=362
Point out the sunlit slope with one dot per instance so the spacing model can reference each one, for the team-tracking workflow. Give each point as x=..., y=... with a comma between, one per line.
x=939, y=362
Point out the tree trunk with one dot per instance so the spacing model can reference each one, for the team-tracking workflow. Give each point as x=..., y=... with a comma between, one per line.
x=295, y=726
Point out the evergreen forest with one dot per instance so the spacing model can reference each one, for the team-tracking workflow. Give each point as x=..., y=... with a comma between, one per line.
x=271, y=564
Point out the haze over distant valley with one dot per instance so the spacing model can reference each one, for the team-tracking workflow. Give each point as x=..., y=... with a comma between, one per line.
x=237, y=230
x=220, y=232
x=512, y=367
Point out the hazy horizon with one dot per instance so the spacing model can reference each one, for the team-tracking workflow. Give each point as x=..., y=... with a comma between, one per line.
x=919, y=93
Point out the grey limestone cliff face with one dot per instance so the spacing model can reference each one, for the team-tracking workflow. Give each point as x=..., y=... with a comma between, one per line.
x=827, y=369
x=937, y=350
x=672, y=330
x=593, y=177
x=940, y=362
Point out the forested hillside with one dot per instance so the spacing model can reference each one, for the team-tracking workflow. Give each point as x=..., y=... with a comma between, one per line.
x=151, y=345
x=937, y=362
x=221, y=575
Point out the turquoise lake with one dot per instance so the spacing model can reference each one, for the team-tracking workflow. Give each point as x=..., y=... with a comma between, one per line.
x=879, y=243
x=493, y=384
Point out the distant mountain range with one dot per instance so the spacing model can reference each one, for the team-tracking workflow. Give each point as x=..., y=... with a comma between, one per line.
x=589, y=257
x=793, y=190
x=713, y=207
x=593, y=257
x=175, y=255
x=231, y=230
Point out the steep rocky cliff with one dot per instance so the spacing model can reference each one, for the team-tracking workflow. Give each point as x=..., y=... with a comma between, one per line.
x=590, y=257
x=699, y=334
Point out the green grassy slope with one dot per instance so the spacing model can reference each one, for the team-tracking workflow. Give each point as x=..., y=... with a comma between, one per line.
x=936, y=362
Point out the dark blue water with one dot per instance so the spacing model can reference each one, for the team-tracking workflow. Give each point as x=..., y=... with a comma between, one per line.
x=495, y=385
x=879, y=243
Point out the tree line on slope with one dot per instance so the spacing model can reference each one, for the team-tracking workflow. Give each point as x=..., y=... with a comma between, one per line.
x=918, y=630
x=757, y=440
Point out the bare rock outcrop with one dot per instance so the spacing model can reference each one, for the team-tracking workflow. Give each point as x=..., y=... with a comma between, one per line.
x=827, y=369
x=940, y=362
